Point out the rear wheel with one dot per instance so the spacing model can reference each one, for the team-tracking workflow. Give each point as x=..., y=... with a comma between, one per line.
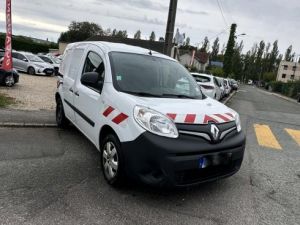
x=112, y=161
x=31, y=71
x=61, y=119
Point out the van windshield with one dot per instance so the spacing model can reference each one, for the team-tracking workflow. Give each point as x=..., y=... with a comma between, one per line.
x=150, y=76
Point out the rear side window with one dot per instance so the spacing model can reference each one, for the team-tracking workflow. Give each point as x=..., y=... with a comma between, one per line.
x=72, y=62
x=201, y=79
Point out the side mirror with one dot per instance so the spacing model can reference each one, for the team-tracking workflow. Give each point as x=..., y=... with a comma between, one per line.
x=91, y=79
x=25, y=60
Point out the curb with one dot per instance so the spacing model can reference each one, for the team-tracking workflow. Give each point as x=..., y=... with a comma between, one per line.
x=27, y=125
x=229, y=98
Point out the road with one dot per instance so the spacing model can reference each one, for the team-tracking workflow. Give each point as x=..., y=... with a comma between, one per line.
x=51, y=176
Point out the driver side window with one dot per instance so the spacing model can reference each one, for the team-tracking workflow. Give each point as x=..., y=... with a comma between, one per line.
x=94, y=63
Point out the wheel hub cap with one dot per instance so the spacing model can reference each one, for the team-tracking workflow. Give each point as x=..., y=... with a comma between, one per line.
x=110, y=160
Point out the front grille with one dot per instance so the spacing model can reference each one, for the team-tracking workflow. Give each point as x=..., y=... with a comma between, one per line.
x=204, y=130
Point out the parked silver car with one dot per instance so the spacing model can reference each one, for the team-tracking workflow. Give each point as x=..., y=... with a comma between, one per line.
x=32, y=64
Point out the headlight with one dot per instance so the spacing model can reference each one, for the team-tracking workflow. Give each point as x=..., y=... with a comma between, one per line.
x=238, y=122
x=155, y=122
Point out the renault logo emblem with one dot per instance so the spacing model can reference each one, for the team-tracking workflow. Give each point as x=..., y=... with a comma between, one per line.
x=214, y=130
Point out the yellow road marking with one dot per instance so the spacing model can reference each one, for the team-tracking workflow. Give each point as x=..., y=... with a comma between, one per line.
x=265, y=137
x=295, y=134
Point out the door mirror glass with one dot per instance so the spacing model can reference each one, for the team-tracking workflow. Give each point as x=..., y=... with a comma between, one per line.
x=25, y=60
x=91, y=79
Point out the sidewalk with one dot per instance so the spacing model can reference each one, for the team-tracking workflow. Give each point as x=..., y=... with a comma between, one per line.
x=279, y=96
x=10, y=117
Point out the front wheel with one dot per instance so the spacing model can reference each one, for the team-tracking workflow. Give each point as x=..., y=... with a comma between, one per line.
x=9, y=81
x=112, y=161
x=61, y=119
x=31, y=71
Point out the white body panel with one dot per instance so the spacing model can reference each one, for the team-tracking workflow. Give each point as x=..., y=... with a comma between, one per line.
x=115, y=109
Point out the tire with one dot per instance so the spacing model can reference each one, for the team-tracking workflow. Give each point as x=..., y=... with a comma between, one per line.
x=61, y=119
x=31, y=71
x=112, y=161
x=9, y=81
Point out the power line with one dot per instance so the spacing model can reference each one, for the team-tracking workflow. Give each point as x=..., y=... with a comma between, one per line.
x=226, y=10
x=222, y=13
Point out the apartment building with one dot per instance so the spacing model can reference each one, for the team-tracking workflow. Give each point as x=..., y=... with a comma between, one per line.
x=288, y=71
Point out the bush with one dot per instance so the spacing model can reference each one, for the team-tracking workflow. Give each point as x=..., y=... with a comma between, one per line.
x=20, y=43
x=269, y=76
x=217, y=71
x=290, y=89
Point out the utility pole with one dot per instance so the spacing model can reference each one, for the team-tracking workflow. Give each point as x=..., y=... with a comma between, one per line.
x=170, y=27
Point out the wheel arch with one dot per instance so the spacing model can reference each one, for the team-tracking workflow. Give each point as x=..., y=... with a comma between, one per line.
x=105, y=130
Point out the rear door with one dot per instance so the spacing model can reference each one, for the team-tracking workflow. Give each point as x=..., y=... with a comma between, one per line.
x=70, y=69
x=88, y=99
x=16, y=61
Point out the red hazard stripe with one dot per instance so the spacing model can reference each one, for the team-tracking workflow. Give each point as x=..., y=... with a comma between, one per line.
x=172, y=116
x=190, y=118
x=120, y=118
x=229, y=114
x=222, y=117
x=108, y=111
x=209, y=119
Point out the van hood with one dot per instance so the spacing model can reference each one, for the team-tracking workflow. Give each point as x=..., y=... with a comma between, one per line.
x=193, y=111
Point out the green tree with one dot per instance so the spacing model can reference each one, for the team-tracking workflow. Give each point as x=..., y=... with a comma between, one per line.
x=237, y=61
x=269, y=76
x=187, y=41
x=138, y=35
x=152, y=36
x=289, y=56
x=258, y=60
x=215, y=50
x=273, y=57
x=80, y=31
x=205, y=45
x=230, y=50
x=121, y=34
x=114, y=32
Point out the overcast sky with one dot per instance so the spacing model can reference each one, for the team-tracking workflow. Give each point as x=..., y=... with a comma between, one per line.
x=259, y=19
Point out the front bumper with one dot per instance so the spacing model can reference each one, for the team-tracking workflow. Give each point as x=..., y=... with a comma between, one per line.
x=44, y=71
x=161, y=161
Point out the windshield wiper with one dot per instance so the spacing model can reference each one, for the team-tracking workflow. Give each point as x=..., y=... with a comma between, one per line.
x=178, y=96
x=144, y=94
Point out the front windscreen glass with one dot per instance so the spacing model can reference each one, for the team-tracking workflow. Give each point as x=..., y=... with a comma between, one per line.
x=34, y=58
x=151, y=76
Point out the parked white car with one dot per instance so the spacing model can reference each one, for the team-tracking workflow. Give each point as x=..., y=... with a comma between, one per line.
x=222, y=86
x=209, y=85
x=227, y=87
x=51, y=60
x=146, y=115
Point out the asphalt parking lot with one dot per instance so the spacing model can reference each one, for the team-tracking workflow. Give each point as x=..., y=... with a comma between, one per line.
x=53, y=176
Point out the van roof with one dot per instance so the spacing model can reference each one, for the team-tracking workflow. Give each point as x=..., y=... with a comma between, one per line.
x=120, y=47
